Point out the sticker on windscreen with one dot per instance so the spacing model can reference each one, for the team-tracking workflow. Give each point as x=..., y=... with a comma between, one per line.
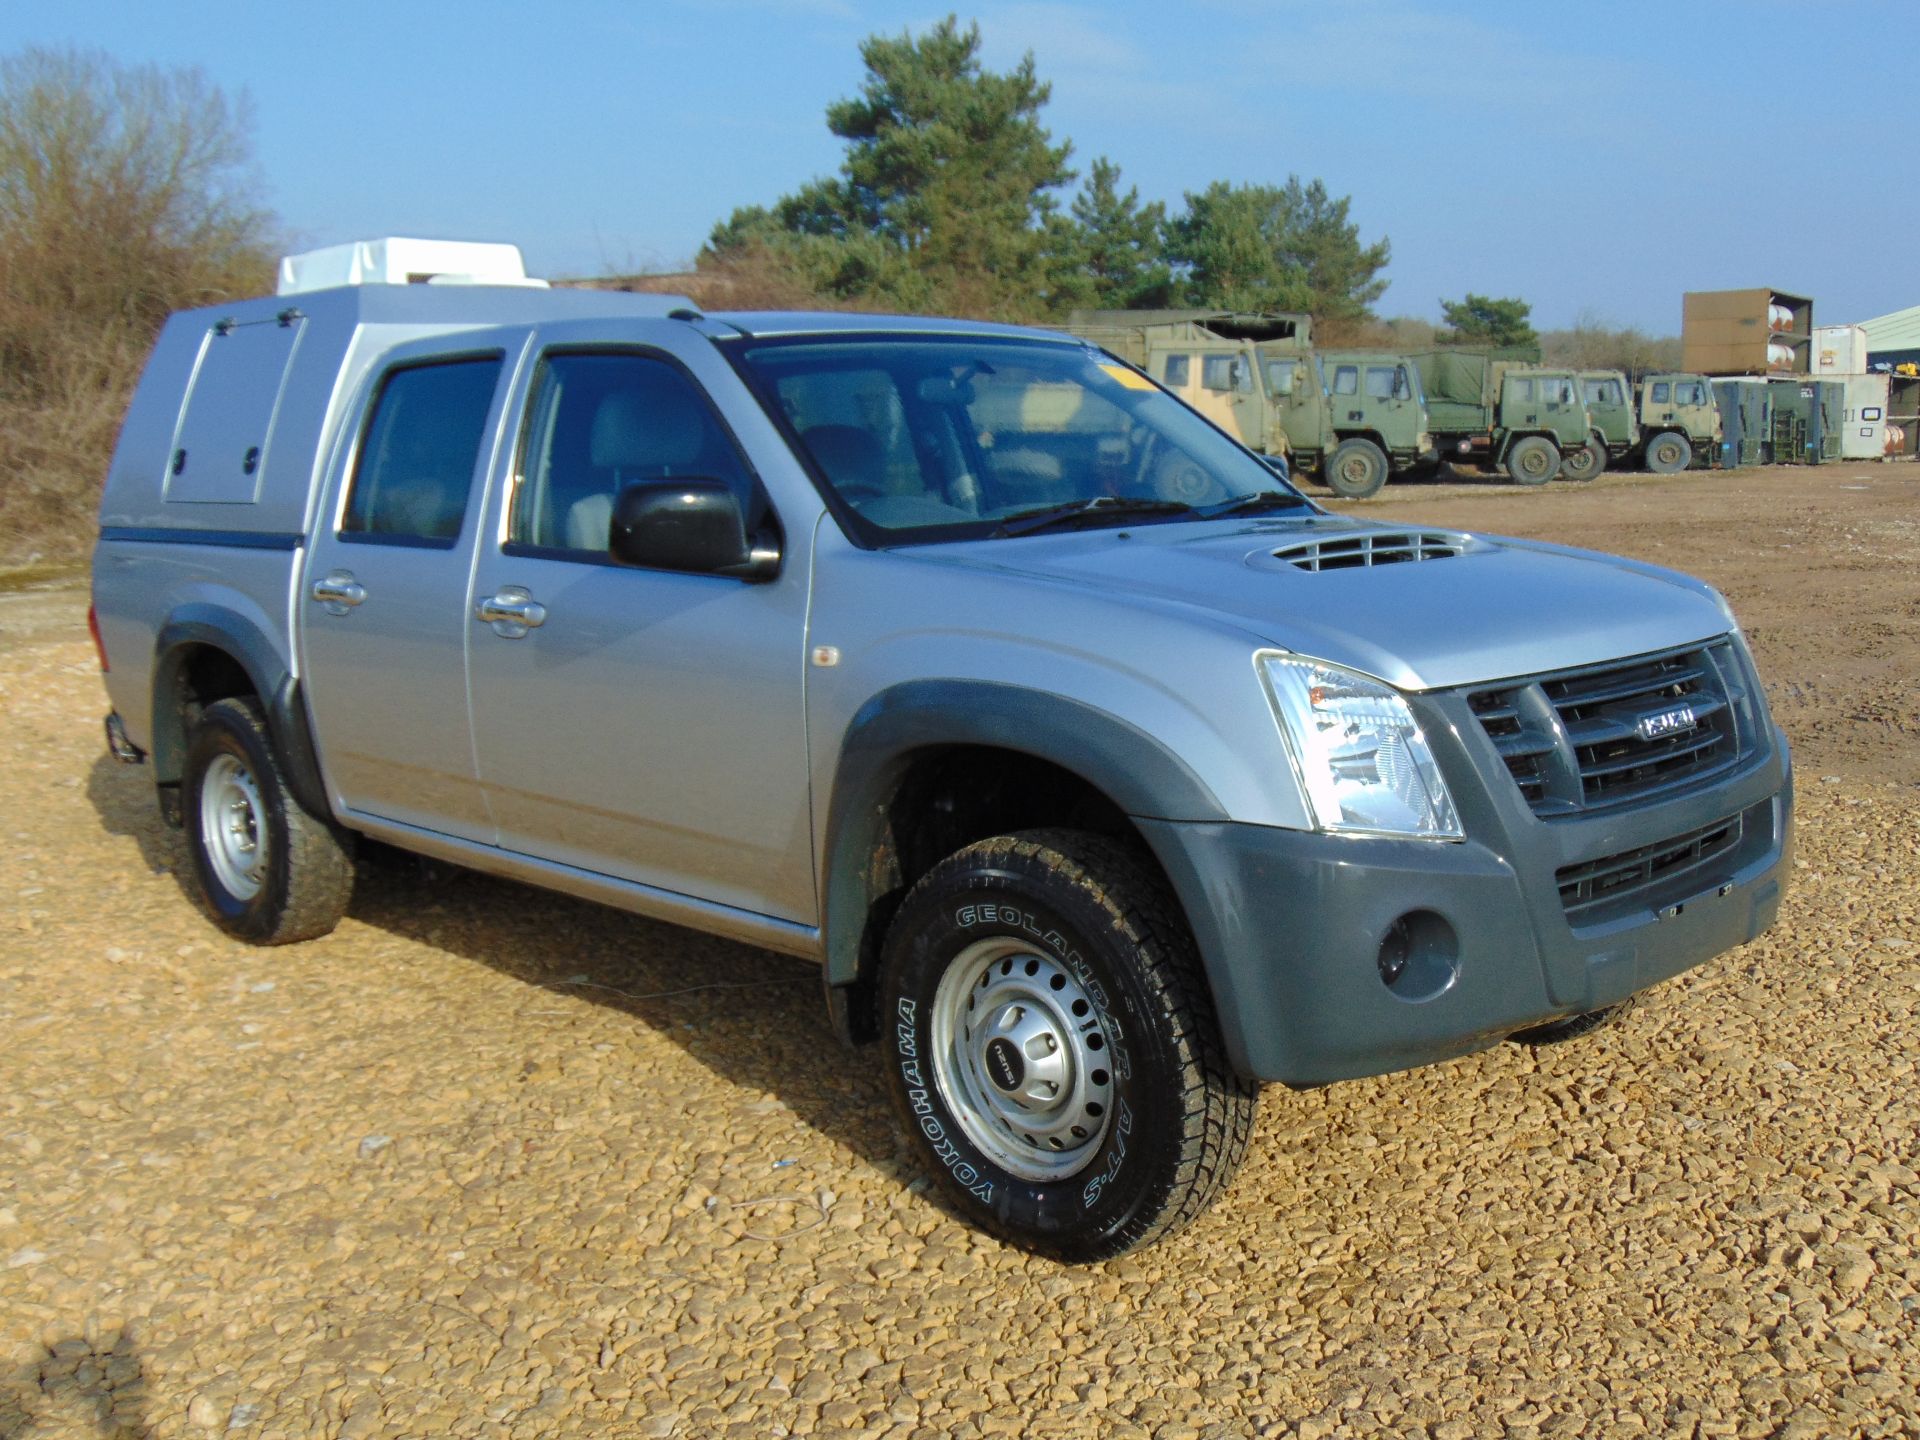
x=1132, y=379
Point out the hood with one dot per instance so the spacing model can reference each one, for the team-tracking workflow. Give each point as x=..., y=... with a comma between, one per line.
x=1474, y=609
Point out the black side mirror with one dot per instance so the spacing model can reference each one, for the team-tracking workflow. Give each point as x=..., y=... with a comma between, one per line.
x=693, y=524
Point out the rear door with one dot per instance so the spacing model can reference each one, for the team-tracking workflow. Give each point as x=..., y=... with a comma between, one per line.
x=641, y=724
x=382, y=604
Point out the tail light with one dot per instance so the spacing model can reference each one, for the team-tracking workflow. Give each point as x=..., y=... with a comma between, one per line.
x=99, y=645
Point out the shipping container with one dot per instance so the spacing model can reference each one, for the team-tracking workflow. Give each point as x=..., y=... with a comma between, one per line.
x=1864, y=435
x=1746, y=419
x=1746, y=332
x=1840, y=350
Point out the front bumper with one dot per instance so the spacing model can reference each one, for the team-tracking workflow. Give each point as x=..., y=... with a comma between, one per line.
x=1290, y=923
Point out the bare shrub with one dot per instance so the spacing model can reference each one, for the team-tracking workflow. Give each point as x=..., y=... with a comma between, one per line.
x=126, y=192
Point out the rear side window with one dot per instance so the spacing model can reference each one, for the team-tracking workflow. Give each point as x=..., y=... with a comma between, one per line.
x=415, y=468
x=1346, y=380
x=1662, y=392
x=1179, y=368
x=601, y=422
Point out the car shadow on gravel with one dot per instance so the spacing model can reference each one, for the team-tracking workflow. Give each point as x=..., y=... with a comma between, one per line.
x=752, y=1017
x=78, y=1387
x=122, y=796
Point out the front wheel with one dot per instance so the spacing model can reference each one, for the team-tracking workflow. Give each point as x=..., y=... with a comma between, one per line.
x=1533, y=460
x=1356, y=469
x=267, y=870
x=1585, y=463
x=1668, y=453
x=1052, y=1048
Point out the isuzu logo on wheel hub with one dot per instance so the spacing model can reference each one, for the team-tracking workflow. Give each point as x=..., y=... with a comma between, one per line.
x=1005, y=1065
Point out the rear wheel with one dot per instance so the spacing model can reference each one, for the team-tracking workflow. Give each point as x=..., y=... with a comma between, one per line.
x=1668, y=453
x=1357, y=469
x=1533, y=460
x=267, y=870
x=1052, y=1047
x=1586, y=462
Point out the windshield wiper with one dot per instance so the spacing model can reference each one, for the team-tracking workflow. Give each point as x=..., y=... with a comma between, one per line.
x=1026, y=522
x=1254, y=500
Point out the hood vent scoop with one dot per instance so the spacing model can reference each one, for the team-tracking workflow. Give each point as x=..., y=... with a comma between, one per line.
x=1372, y=547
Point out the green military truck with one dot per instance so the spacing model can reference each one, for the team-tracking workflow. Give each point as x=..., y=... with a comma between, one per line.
x=1679, y=422
x=1496, y=408
x=1610, y=407
x=1351, y=418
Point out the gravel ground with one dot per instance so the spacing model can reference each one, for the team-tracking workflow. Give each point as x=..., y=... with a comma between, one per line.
x=492, y=1162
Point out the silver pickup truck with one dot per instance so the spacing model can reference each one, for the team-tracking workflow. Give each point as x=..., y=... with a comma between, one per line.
x=1105, y=776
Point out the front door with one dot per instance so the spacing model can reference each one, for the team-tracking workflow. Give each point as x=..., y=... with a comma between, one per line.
x=641, y=724
x=382, y=600
x=1293, y=384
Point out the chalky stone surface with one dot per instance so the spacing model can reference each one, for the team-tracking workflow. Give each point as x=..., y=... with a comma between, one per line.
x=488, y=1162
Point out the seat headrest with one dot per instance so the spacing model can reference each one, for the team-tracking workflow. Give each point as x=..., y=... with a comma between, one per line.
x=636, y=429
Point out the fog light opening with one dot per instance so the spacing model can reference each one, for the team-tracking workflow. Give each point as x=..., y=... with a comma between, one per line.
x=1419, y=957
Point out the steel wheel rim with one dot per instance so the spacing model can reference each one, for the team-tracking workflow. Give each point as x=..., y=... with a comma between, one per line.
x=1534, y=462
x=233, y=829
x=1021, y=1058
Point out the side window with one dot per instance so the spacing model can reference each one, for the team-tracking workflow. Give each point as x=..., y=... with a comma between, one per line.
x=1596, y=392
x=1383, y=383
x=1524, y=390
x=1179, y=371
x=600, y=422
x=1216, y=372
x=1691, y=393
x=415, y=467
x=1280, y=376
x=1346, y=379
x=1662, y=392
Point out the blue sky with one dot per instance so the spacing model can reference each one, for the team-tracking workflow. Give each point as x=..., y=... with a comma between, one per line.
x=1597, y=158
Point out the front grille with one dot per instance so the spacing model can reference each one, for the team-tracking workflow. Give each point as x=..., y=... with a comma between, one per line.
x=1629, y=880
x=1372, y=547
x=1607, y=736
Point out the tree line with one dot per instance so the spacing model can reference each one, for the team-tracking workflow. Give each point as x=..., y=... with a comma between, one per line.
x=953, y=195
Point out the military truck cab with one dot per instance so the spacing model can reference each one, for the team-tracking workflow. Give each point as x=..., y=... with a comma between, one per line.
x=1680, y=422
x=1352, y=417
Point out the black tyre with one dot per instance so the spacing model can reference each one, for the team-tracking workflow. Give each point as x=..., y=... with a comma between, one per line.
x=267, y=870
x=1586, y=463
x=1668, y=453
x=1532, y=460
x=1051, y=1046
x=1557, y=1032
x=1356, y=469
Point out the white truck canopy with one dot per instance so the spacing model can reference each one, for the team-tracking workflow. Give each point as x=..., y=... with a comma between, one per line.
x=396, y=260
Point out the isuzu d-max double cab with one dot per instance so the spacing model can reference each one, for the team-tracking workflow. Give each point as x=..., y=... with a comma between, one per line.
x=1105, y=775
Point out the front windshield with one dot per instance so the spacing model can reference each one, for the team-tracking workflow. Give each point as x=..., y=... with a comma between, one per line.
x=936, y=438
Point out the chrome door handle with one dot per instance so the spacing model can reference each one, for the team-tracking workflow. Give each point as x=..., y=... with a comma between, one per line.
x=512, y=612
x=339, y=592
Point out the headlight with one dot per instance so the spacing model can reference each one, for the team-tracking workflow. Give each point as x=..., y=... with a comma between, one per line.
x=1361, y=758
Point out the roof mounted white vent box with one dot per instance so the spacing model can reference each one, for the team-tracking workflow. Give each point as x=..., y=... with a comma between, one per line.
x=399, y=261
